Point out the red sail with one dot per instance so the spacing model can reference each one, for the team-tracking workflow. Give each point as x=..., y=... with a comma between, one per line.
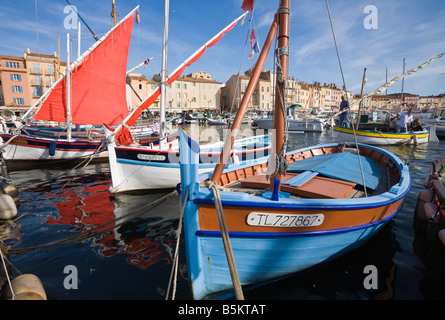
x=98, y=93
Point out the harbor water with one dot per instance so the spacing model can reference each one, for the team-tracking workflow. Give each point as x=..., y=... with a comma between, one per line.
x=85, y=243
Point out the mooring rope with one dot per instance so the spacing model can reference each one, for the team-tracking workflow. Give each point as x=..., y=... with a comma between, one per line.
x=225, y=237
x=174, y=272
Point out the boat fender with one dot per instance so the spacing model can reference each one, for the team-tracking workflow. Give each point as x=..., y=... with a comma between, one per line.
x=431, y=211
x=235, y=159
x=25, y=287
x=441, y=235
x=52, y=148
x=439, y=189
x=8, y=209
x=423, y=197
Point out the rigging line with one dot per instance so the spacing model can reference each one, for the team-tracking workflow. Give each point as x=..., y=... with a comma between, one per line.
x=241, y=64
x=346, y=94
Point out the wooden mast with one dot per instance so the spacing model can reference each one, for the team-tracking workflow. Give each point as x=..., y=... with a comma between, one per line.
x=281, y=78
x=230, y=139
x=113, y=12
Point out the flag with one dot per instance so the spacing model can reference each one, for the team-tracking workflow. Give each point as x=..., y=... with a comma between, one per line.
x=256, y=47
x=138, y=19
x=252, y=68
x=145, y=63
x=251, y=54
x=252, y=37
x=244, y=19
x=248, y=5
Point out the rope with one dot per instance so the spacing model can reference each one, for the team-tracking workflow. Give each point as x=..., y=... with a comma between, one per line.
x=7, y=275
x=174, y=271
x=225, y=237
x=344, y=86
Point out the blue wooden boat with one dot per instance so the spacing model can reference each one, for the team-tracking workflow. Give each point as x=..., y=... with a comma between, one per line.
x=264, y=221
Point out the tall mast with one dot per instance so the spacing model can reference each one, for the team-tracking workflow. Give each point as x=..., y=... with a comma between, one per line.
x=163, y=73
x=113, y=12
x=283, y=55
x=403, y=81
x=230, y=139
x=68, y=87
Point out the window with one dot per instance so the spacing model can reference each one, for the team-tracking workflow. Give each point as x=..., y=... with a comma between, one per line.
x=184, y=95
x=185, y=86
x=50, y=69
x=37, y=80
x=19, y=101
x=17, y=89
x=178, y=95
x=178, y=86
x=36, y=68
x=140, y=86
x=16, y=77
x=37, y=91
x=52, y=80
x=12, y=64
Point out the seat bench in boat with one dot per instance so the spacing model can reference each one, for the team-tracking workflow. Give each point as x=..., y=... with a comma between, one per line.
x=315, y=187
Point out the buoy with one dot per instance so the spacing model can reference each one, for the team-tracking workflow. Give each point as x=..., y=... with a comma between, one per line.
x=9, y=189
x=8, y=209
x=441, y=235
x=235, y=159
x=423, y=197
x=430, y=210
x=26, y=287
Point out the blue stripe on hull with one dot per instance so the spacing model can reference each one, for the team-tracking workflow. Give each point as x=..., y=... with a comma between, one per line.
x=263, y=259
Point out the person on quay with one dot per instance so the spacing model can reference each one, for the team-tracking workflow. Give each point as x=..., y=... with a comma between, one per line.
x=344, y=116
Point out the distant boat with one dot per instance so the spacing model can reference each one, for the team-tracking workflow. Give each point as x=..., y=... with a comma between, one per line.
x=295, y=122
x=375, y=137
x=257, y=223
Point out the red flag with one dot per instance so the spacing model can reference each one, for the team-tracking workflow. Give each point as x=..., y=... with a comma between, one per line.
x=248, y=5
x=252, y=37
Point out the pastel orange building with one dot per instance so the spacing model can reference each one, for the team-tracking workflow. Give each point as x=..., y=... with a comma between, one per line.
x=14, y=84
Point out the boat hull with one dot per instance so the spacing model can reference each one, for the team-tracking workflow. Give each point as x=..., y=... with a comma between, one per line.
x=34, y=149
x=146, y=168
x=261, y=259
x=379, y=138
x=278, y=236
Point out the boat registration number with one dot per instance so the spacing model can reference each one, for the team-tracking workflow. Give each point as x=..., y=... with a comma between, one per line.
x=264, y=219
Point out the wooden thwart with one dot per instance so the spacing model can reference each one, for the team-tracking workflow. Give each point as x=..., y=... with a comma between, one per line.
x=315, y=187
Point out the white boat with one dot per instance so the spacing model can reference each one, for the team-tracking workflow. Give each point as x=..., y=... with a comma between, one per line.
x=295, y=122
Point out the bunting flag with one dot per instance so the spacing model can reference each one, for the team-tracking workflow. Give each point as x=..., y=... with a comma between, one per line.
x=138, y=19
x=248, y=5
x=251, y=54
x=145, y=63
x=256, y=47
x=252, y=37
x=244, y=19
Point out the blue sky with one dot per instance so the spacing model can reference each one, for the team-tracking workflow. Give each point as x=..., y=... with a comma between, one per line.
x=414, y=30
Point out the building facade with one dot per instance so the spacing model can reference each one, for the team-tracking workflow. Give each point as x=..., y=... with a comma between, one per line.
x=14, y=84
x=43, y=71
